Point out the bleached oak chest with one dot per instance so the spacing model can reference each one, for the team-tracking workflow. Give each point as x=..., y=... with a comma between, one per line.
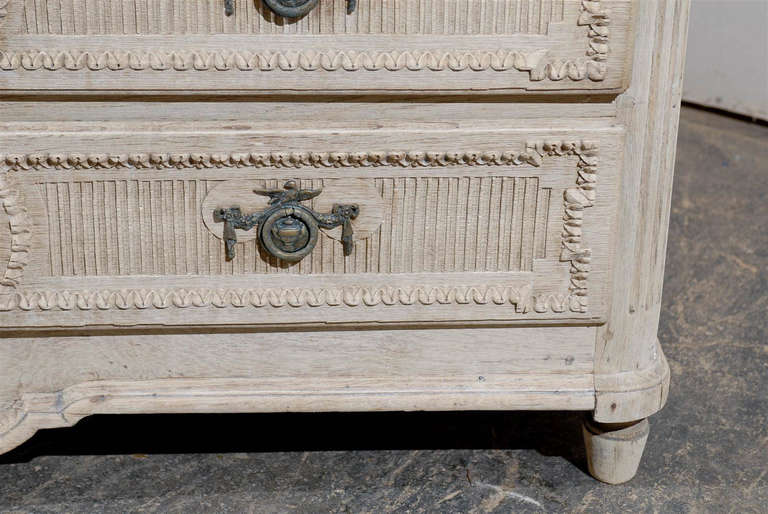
x=376, y=205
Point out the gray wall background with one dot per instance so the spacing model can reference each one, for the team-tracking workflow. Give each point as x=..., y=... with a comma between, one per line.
x=727, y=64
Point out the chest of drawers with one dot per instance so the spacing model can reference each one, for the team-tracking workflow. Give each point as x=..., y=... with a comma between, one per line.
x=378, y=205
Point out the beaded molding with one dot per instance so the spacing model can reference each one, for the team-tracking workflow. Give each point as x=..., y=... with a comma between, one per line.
x=163, y=161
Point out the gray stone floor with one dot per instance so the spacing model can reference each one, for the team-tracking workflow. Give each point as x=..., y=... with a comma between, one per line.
x=708, y=449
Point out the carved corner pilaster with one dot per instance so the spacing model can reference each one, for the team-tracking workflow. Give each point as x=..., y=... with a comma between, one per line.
x=631, y=374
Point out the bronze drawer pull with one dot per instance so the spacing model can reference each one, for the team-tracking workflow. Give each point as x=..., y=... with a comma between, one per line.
x=287, y=229
x=288, y=8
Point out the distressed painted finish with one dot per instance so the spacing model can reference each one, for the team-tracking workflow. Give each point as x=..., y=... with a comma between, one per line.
x=508, y=254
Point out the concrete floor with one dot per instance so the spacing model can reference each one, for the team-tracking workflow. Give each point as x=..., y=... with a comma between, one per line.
x=708, y=449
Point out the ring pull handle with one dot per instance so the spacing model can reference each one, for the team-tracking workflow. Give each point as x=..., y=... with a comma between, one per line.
x=288, y=8
x=287, y=229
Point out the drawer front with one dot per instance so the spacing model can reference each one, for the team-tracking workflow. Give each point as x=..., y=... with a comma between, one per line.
x=493, y=46
x=497, y=225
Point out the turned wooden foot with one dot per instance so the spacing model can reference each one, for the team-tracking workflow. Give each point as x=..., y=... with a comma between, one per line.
x=614, y=450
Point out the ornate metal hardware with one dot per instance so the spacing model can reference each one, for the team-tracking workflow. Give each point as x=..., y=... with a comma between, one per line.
x=287, y=229
x=289, y=8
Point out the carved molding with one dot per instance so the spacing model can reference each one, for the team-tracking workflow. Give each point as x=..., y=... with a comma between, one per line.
x=4, y=8
x=244, y=60
x=540, y=64
x=277, y=297
x=163, y=161
x=536, y=63
x=20, y=229
x=575, y=199
x=595, y=16
x=522, y=298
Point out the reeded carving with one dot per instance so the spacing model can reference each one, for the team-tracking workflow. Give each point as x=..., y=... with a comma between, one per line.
x=411, y=17
x=139, y=216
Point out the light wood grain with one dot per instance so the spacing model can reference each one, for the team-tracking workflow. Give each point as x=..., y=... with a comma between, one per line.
x=510, y=254
x=614, y=450
x=225, y=371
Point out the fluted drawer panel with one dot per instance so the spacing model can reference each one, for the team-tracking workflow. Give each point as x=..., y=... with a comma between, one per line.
x=446, y=224
x=123, y=17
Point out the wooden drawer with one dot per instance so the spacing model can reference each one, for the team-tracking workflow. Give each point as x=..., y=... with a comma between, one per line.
x=186, y=46
x=491, y=224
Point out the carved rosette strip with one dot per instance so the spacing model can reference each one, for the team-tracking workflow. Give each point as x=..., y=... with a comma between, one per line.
x=161, y=161
x=19, y=226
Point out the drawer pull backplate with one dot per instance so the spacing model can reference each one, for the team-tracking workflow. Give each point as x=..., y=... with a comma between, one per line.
x=287, y=229
x=288, y=8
